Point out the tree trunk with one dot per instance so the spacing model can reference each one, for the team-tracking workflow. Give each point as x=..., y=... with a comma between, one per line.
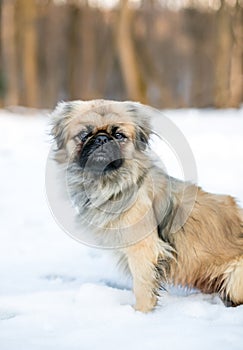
x=9, y=58
x=26, y=19
x=236, y=86
x=88, y=53
x=222, y=57
x=1, y=61
x=134, y=83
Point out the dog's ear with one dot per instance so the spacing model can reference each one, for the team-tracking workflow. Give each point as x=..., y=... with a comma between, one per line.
x=142, y=125
x=59, y=121
x=60, y=117
x=141, y=138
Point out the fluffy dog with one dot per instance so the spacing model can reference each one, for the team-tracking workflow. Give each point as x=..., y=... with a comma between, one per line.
x=126, y=199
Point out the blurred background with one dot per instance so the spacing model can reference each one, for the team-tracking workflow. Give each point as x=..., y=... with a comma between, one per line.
x=166, y=53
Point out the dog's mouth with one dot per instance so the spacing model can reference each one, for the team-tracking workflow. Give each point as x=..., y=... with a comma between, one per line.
x=102, y=159
x=101, y=163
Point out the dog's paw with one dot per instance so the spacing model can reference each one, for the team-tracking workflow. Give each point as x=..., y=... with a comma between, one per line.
x=145, y=306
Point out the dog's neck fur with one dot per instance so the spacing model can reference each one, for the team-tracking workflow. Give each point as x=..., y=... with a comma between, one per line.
x=92, y=193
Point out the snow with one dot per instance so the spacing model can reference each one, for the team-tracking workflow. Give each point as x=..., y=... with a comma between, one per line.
x=58, y=294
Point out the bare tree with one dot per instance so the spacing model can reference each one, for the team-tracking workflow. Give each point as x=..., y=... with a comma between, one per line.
x=236, y=82
x=134, y=83
x=88, y=51
x=222, y=57
x=26, y=24
x=9, y=59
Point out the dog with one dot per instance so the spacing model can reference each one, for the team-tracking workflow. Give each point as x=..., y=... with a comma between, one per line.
x=124, y=198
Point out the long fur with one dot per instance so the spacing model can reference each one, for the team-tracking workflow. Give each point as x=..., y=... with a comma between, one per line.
x=206, y=252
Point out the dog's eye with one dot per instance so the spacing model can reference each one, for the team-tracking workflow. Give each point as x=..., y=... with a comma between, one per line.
x=83, y=136
x=119, y=136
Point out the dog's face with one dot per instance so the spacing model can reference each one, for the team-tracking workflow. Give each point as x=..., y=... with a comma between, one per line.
x=100, y=136
x=102, y=146
x=102, y=152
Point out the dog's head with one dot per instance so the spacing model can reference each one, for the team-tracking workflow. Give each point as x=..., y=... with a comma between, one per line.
x=100, y=136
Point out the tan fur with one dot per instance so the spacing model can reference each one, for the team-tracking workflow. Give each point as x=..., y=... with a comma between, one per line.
x=142, y=258
x=234, y=280
x=204, y=252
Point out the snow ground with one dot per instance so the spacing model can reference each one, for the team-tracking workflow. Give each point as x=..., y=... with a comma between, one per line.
x=58, y=294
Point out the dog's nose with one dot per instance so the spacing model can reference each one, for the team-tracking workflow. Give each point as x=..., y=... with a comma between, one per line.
x=101, y=140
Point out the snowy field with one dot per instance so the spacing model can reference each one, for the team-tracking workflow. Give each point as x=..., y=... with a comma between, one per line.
x=58, y=294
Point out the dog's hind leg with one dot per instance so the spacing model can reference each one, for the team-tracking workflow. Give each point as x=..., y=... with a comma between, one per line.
x=233, y=283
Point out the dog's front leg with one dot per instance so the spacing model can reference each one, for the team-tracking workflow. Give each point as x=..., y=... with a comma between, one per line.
x=142, y=260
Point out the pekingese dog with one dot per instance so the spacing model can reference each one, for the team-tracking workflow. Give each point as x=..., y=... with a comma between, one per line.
x=124, y=198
